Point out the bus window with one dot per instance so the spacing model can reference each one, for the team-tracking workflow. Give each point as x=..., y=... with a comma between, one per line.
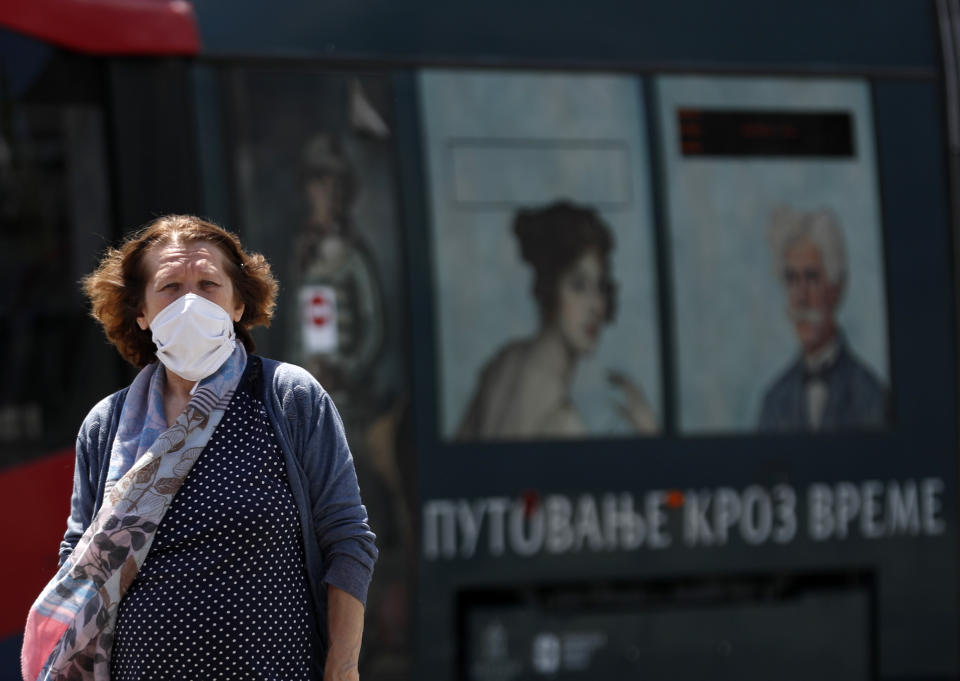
x=317, y=196
x=776, y=251
x=55, y=212
x=544, y=270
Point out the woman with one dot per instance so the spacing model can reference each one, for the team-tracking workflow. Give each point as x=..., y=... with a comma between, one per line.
x=216, y=529
x=524, y=391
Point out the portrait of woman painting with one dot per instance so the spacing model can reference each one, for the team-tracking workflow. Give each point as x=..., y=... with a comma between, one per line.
x=544, y=275
x=524, y=390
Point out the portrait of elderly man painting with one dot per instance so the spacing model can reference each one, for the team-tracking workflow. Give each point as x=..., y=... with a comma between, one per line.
x=826, y=387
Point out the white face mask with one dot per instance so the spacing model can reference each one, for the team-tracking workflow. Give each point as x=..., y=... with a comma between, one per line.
x=194, y=336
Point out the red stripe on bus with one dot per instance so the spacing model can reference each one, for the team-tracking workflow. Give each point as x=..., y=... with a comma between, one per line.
x=35, y=500
x=132, y=27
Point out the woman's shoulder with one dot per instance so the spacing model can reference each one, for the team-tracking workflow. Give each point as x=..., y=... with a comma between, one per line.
x=106, y=409
x=507, y=357
x=288, y=381
x=285, y=373
x=95, y=430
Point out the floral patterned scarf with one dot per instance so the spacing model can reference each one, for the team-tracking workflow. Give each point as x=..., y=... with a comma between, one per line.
x=69, y=632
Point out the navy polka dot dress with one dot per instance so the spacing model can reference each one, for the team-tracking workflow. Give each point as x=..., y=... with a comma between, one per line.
x=223, y=591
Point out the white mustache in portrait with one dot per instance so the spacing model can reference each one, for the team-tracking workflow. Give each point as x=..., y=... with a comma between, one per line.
x=809, y=315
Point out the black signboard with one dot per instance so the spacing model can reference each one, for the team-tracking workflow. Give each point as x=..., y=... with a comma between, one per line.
x=765, y=133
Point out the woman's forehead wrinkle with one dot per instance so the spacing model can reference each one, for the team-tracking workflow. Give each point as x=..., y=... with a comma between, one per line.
x=177, y=259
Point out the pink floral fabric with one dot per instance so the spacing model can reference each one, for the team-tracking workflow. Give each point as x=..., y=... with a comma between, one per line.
x=69, y=631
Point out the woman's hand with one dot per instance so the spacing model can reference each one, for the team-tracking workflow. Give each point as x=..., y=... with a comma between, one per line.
x=345, y=624
x=636, y=409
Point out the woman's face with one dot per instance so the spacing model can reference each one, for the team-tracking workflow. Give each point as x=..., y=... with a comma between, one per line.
x=175, y=269
x=582, y=302
x=324, y=198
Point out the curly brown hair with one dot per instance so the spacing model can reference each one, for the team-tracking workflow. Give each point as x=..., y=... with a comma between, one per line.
x=117, y=286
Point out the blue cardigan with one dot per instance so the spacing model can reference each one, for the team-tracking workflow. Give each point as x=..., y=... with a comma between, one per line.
x=338, y=543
